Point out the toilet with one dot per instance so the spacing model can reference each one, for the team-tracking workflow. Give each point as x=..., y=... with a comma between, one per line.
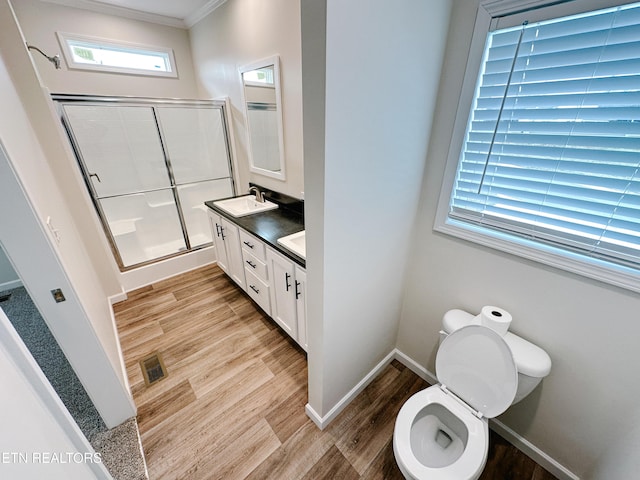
x=442, y=432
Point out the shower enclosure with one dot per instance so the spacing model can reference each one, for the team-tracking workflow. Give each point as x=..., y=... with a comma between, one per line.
x=149, y=166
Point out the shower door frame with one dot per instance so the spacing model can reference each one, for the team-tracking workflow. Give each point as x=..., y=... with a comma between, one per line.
x=66, y=99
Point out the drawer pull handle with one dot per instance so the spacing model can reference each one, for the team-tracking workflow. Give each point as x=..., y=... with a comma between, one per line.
x=252, y=265
x=298, y=292
x=286, y=280
x=254, y=289
x=250, y=245
x=217, y=229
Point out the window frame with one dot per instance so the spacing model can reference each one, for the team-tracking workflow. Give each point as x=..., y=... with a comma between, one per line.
x=498, y=14
x=64, y=38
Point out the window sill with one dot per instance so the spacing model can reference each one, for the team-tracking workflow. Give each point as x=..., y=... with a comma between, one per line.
x=593, y=268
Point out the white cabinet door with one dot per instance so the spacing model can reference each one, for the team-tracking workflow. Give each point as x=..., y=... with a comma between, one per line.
x=283, y=296
x=301, y=305
x=218, y=241
x=227, y=242
x=231, y=237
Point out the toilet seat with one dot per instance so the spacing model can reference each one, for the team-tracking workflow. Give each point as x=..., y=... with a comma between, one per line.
x=474, y=364
x=477, y=365
x=468, y=466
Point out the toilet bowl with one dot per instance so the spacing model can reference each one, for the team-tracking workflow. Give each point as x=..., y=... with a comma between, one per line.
x=445, y=440
x=442, y=432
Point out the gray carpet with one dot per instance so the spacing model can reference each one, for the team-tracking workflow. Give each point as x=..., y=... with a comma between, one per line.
x=120, y=446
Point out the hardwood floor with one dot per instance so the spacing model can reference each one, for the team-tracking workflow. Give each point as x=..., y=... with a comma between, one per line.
x=232, y=404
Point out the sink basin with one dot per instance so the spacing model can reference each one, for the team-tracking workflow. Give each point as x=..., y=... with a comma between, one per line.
x=296, y=243
x=245, y=205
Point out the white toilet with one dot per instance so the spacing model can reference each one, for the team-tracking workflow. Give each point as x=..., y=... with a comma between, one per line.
x=442, y=432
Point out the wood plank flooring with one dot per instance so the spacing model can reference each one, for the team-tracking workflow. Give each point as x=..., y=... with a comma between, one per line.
x=232, y=404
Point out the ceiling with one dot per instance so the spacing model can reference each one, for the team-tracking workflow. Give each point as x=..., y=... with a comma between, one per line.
x=175, y=13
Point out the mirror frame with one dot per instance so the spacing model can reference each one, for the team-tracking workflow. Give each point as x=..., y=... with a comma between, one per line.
x=265, y=62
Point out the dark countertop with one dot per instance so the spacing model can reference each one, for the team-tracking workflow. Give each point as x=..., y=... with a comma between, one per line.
x=269, y=226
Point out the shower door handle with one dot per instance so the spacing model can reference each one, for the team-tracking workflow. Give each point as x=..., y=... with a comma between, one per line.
x=95, y=175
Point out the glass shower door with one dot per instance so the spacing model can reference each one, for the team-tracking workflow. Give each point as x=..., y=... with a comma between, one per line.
x=121, y=153
x=196, y=147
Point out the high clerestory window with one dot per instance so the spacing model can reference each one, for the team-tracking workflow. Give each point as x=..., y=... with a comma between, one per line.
x=549, y=166
x=90, y=53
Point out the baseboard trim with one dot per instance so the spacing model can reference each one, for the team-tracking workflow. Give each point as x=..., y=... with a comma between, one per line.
x=313, y=415
x=415, y=367
x=10, y=285
x=123, y=367
x=322, y=422
x=540, y=457
x=118, y=297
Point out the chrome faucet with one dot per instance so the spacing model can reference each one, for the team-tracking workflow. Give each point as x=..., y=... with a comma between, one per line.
x=259, y=194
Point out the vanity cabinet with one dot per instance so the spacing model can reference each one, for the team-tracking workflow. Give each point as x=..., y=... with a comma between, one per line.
x=272, y=280
x=288, y=296
x=226, y=238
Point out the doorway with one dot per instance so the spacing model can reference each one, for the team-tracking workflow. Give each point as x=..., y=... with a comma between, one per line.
x=18, y=306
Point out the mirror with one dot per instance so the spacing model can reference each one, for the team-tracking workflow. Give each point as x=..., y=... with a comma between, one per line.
x=263, y=113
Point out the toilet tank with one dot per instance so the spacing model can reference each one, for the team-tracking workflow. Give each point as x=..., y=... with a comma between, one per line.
x=532, y=362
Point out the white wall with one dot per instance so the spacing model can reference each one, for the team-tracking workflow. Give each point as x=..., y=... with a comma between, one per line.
x=620, y=461
x=589, y=329
x=32, y=153
x=41, y=20
x=28, y=427
x=382, y=75
x=314, y=28
x=241, y=32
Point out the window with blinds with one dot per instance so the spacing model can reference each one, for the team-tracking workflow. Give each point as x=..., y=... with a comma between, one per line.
x=552, y=147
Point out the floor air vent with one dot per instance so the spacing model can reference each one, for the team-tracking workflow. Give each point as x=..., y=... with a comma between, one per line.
x=153, y=368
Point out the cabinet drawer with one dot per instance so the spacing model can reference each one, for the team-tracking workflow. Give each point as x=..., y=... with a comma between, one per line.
x=258, y=290
x=255, y=265
x=253, y=245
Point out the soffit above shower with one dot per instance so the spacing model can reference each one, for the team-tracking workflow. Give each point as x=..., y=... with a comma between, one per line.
x=181, y=14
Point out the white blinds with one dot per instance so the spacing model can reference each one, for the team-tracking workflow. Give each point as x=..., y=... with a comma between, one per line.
x=552, y=149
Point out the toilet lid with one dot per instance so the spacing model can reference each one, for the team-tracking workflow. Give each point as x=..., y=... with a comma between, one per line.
x=476, y=364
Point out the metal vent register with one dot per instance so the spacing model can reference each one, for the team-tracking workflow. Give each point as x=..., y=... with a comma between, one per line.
x=153, y=368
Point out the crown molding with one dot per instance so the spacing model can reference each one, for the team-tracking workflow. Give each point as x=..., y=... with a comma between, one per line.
x=118, y=11
x=197, y=15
